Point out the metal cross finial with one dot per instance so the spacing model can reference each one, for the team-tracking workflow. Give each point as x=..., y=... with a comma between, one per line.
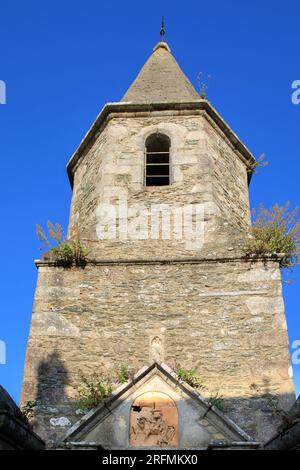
x=162, y=30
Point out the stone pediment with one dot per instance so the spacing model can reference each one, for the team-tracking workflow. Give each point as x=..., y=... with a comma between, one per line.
x=156, y=410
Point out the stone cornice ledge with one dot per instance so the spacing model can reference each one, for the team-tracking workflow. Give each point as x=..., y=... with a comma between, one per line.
x=275, y=257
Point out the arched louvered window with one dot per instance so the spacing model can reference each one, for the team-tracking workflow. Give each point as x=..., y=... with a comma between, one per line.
x=157, y=164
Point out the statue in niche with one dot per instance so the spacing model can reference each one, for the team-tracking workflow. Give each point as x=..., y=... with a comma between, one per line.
x=156, y=349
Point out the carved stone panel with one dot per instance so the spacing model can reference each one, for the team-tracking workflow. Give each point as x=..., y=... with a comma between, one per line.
x=153, y=421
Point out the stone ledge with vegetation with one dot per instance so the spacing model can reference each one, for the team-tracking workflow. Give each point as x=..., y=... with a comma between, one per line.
x=64, y=252
x=275, y=231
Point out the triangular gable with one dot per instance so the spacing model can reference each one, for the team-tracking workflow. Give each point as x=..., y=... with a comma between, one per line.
x=200, y=425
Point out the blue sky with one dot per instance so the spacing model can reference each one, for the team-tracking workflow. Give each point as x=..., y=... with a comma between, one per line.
x=62, y=61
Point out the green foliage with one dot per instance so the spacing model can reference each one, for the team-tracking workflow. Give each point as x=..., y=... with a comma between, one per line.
x=190, y=377
x=123, y=375
x=70, y=252
x=27, y=410
x=217, y=401
x=66, y=252
x=92, y=392
x=275, y=231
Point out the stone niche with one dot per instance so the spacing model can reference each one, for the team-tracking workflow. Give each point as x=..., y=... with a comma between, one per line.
x=156, y=410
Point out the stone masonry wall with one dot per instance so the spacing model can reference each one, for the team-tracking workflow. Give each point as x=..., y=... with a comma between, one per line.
x=204, y=170
x=207, y=307
x=224, y=318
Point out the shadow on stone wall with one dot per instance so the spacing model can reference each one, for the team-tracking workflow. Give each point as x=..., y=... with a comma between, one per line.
x=254, y=415
x=52, y=380
x=53, y=406
x=261, y=414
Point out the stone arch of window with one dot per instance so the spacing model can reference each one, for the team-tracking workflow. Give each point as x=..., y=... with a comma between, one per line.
x=157, y=160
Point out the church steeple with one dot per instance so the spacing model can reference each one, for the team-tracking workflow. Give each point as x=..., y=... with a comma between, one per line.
x=161, y=80
x=160, y=200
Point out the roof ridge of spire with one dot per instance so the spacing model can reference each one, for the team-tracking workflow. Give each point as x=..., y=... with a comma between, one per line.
x=162, y=44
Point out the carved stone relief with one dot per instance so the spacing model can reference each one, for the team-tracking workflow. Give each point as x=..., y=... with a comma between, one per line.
x=153, y=421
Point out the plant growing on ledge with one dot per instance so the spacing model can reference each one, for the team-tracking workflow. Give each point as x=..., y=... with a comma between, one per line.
x=123, y=375
x=190, y=377
x=66, y=252
x=252, y=167
x=275, y=231
x=217, y=401
x=92, y=392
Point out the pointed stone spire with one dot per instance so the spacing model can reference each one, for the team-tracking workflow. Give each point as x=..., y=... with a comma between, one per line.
x=161, y=80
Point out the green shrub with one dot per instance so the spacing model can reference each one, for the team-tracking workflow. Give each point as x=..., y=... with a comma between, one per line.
x=275, y=231
x=123, y=375
x=66, y=252
x=63, y=254
x=190, y=377
x=92, y=392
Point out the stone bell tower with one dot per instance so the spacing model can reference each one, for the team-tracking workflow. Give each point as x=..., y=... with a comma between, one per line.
x=160, y=194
